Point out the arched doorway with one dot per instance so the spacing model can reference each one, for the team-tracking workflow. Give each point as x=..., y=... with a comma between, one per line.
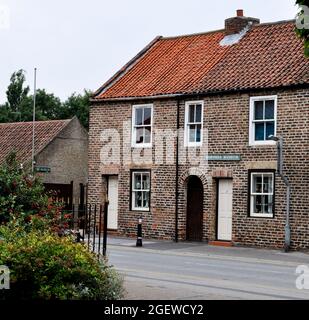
x=195, y=197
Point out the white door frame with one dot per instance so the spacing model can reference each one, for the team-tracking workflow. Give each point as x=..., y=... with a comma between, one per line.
x=224, y=232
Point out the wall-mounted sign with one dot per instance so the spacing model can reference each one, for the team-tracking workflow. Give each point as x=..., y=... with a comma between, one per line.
x=223, y=157
x=42, y=169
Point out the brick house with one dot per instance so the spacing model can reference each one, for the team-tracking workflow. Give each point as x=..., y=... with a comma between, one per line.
x=60, y=153
x=181, y=136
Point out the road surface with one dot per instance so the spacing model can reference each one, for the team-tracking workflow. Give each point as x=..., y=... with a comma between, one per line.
x=170, y=274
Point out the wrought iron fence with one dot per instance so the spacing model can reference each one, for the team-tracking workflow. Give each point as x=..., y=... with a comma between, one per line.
x=89, y=225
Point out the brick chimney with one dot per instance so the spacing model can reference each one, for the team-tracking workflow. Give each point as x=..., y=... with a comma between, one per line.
x=238, y=23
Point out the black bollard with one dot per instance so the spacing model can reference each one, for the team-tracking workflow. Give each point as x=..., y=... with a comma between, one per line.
x=139, y=241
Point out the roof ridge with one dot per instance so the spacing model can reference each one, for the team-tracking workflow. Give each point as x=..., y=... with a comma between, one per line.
x=192, y=34
x=273, y=23
x=28, y=122
x=222, y=30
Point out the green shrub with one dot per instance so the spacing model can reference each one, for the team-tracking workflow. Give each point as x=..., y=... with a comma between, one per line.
x=20, y=192
x=45, y=266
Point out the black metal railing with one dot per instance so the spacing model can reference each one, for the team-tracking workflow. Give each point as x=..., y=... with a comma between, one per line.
x=89, y=225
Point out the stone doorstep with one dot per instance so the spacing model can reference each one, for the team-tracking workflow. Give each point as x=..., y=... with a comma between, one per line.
x=221, y=243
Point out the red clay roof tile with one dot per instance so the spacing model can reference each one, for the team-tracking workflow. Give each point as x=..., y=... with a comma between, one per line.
x=269, y=55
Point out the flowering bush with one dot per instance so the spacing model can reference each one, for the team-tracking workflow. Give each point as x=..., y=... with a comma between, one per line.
x=45, y=266
x=23, y=198
x=21, y=194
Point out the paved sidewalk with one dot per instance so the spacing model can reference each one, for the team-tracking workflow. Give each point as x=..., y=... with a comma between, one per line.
x=203, y=250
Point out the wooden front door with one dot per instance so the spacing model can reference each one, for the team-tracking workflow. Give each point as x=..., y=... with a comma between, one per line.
x=194, y=209
x=225, y=209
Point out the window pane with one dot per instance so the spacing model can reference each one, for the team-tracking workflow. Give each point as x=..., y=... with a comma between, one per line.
x=147, y=135
x=268, y=201
x=191, y=113
x=270, y=129
x=138, y=116
x=147, y=116
x=257, y=184
x=268, y=184
x=137, y=181
x=258, y=110
x=139, y=135
x=192, y=133
x=198, y=133
x=198, y=113
x=146, y=181
x=259, y=131
x=257, y=204
x=138, y=199
x=269, y=109
x=146, y=199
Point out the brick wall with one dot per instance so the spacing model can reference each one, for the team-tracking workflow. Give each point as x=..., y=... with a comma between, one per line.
x=226, y=117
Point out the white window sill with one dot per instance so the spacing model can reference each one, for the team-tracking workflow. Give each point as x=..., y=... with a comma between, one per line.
x=141, y=209
x=142, y=146
x=261, y=215
x=262, y=143
x=193, y=145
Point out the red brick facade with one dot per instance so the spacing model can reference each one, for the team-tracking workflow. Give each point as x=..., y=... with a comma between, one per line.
x=226, y=117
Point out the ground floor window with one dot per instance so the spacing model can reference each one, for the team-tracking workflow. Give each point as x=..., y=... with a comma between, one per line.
x=261, y=199
x=140, y=189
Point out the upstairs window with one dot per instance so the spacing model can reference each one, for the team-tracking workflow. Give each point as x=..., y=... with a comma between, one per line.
x=262, y=120
x=262, y=194
x=194, y=123
x=142, y=126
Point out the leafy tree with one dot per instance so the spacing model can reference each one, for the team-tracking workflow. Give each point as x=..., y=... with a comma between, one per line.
x=48, y=106
x=77, y=105
x=304, y=32
x=19, y=105
x=17, y=91
x=4, y=113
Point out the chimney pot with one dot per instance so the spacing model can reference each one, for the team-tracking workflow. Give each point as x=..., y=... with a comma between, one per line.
x=240, y=13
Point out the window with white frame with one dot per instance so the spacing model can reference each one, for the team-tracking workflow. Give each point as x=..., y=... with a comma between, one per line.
x=262, y=194
x=194, y=123
x=142, y=126
x=140, y=190
x=263, y=124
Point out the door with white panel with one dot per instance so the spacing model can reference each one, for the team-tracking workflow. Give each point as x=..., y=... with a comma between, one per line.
x=112, y=222
x=225, y=209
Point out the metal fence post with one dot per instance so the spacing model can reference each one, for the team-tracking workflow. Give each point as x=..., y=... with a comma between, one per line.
x=105, y=227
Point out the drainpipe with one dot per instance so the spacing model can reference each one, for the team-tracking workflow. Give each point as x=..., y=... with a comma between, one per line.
x=177, y=173
x=287, y=241
x=287, y=228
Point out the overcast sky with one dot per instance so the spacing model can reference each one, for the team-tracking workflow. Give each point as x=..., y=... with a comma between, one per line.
x=77, y=44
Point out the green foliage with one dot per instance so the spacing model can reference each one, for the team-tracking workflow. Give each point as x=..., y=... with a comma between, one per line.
x=17, y=91
x=19, y=105
x=20, y=193
x=45, y=266
x=77, y=105
x=303, y=33
x=47, y=107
